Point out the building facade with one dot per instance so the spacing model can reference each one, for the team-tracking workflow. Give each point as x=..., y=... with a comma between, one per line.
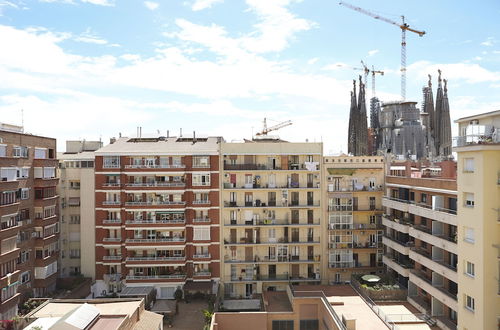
x=352, y=213
x=77, y=193
x=478, y=150
x=421, y=236
x=29, y=215
x=157, y=213
x=271, y=215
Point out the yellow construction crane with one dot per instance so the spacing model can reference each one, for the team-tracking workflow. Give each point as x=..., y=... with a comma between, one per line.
x=404, y=27
x=366, y=71
x=266, y=129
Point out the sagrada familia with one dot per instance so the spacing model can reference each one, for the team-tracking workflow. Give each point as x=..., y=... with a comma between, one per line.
x=399, y=127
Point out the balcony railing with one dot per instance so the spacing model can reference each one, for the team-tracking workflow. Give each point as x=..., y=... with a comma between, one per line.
x=478, y=134
x=156, y=184
x=111, y=239
x=264, y=204
x=202, y=273
x=155, y=221
x=156, y=240
x=265, y=167
x=155, y=166
x=201, y=201
x=112, y=277
x=153, y=258
x=154, y=277
x=198, y=220
x=111, y=221
x=110, y=184
x=423, y=276
x=271, y=222
x=201, y=256
x=112, y=257
x=146, y=203
x=111, y=203
x=341, y=264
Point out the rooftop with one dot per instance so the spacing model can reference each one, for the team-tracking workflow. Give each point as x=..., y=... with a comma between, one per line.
x=479, y=116
x=162, y=146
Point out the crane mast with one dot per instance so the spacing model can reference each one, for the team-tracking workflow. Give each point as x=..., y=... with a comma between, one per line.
x=404, y=27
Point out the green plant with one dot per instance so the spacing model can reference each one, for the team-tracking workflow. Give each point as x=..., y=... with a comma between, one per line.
x=178, y=294
x=208, y=315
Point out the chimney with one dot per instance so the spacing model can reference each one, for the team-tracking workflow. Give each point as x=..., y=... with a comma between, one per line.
x=194, y=137
x=140, y=131
x=180, y=135
x=120, y=134
x=112, y=140
x=168, y=133
x=137, y=131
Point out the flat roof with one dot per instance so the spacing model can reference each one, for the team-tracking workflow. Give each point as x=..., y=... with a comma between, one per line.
x=55, y=308
x=272, y=148
x=136, y=290
x=85, y=155
x=277, y=301
x=107, y=323
x=481, y=115
x=164, y=146
x=148, y=321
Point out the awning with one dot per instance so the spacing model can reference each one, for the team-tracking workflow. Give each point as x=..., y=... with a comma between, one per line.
x=164, y=306
x=398, y=168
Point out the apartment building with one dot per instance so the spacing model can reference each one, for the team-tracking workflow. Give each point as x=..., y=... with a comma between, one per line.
x=478, y=150
x=421, y=235
x=29, y=215
x=353, y=209
x=271, y=215
x=77, y=193
x=157, y=213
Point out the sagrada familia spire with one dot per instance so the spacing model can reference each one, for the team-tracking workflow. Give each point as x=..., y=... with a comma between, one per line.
x=358, y=127
x=399, y=127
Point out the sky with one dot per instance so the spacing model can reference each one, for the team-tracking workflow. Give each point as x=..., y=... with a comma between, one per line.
x=92, y=69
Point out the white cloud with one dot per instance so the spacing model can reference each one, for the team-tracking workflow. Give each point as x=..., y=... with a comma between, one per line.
x=335, y=66
x=373, y=52
x=94, y=2
x=91, y=40
x=488, y=42
x=313, y=61
x=151, y=5
x=204, y=4
x=468, y=72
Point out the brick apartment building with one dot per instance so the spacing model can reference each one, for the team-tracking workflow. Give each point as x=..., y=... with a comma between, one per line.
x=29, y=231
x=157, y=213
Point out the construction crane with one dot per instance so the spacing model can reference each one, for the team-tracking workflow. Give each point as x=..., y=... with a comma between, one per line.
x=404, y=27
x=366, y=71
x=266, y=129
x=374, y=72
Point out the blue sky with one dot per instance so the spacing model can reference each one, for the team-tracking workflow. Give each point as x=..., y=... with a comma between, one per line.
x=93, y=68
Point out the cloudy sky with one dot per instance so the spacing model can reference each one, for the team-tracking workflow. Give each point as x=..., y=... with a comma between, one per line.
x=93, y=68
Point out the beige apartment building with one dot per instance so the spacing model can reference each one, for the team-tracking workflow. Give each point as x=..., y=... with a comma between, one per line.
x=421, y=236
x=271, y=215
x=352, y=212
x=77, y=193
x=478, y=150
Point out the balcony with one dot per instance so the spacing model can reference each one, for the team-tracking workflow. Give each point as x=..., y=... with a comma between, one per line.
x=201, y=202
x=111, y=185
x=423, y=257
x=157, y=278
x=341, y=264
x=477, y=135
x=154, y=166
x=400, y=246
x=201, y=220
x=154, y=241
x=111, y=203
x=154, y=203
x=420, y=303
x=265, y=167
x=421, y=280
x=244, y=241
x=156, y=221
x=143, y=261
x=367, y=245
x=397, y=224
x=437, y=213
x=156, y=184
x=259, y=204
x=112, y=258
x=424, y=234
x=112, y=221
x=401, y=268
x=202, y=273
x=202, y=256
x=111, y=240
x=271, y=222
x=396, y=203
x=112, y=277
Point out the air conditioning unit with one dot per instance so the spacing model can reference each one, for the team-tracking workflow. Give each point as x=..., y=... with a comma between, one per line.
x=226, y=175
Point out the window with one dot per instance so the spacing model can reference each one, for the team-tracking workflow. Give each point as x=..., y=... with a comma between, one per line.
x=3, y=150
x=469, y=303
x=74, y=253
x=282, y=324
x=469, y=199
x=74, y=184
x=201, y=179
x=201, y=161
x=468, y=165
x=74, y=219
x=8, y=173
x=423, y=198
x=469, y=270
x=469, y=235
x=23, y=173
x=111, y=161
x=40, y=153
x=201, y=233
x=20, y=152
x=25, y=193
x=8, y=197
x=87, y=164
x=309, y=325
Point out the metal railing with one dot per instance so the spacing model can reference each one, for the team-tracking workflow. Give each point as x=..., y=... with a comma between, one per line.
x=201, y=201
x=111, y=203
x=111, y=239
x=112, y=257
x=155, y=240
x=156, y=184
x=202, y=256
x=155, y=166
x=111, y=221
x=155, y=277
x=153, y=258
x=158, y=221
x=197, y=220
x=135, y=203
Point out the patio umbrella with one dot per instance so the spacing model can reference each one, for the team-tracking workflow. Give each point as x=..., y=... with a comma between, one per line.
x=370, y=278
